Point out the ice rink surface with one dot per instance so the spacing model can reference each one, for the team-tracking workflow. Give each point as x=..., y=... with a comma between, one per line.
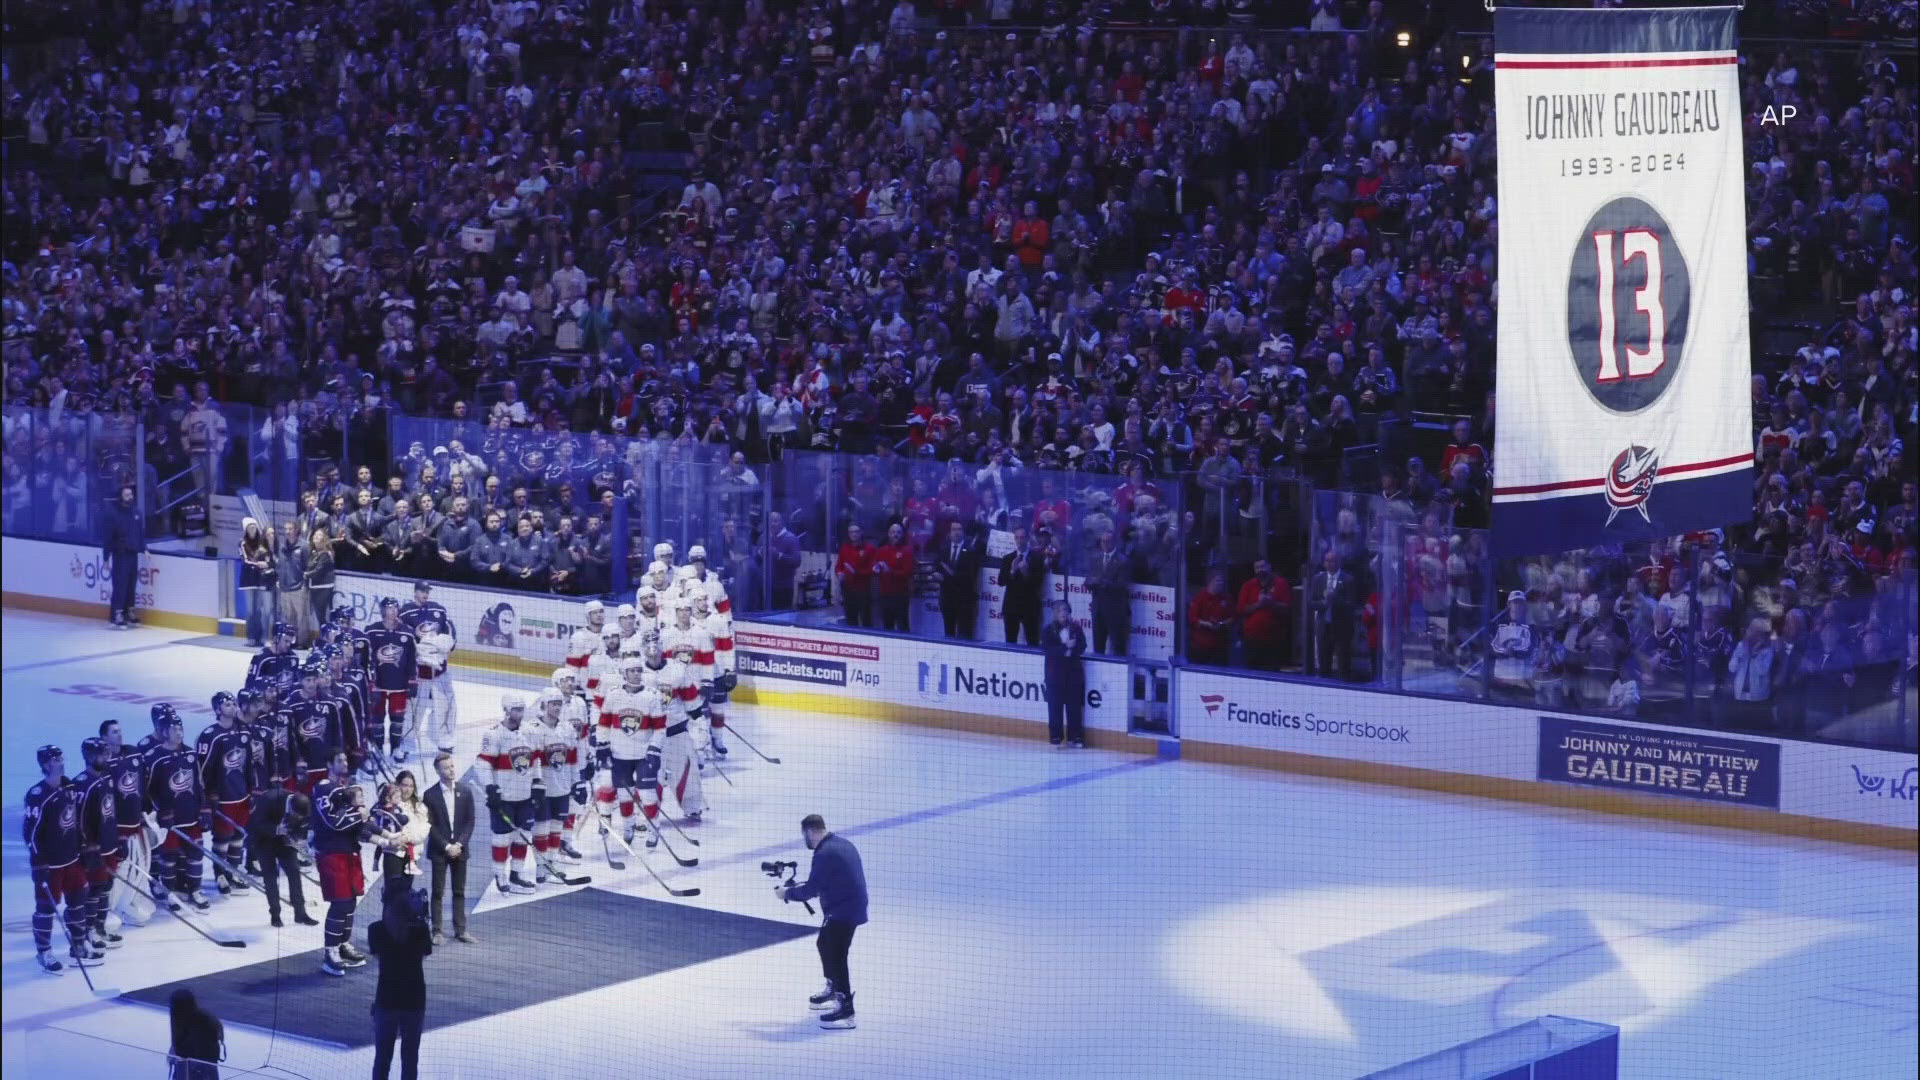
x=1064, y=914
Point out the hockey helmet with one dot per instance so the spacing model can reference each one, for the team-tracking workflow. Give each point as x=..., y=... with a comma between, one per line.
x=221, y=700
x=595, y=606
x=48, y=753
x=164, y=715
x=248, y=697
x=545, y=698
x=512, y=701
x=627, y=611
x=311, y=670
x=699, y=598
x=646, y=594
x=662, y=551
x=388, y=602
x=635, y=663
x=343, y=615
x=561, y=673
x=283, y=630
x=613, y=634
x=93, y=748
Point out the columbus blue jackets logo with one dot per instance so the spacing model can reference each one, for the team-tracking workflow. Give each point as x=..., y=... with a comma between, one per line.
x=389, y=654
x=235, y=757
x=69, y=817
x=181, y=782
x=128, y=783
x=1630, y=480
x=312, y=727
x=106, y=806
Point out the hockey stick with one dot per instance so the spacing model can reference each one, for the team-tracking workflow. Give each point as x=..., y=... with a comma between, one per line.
x=543, y=863
x=681, y=831
x=593, y=807
x=749, y=745
x=671, y=891
x=663, y=842
x=236, y=827
x=173, y=908
x=218, y=861
x=723, y=773
x=84, y=962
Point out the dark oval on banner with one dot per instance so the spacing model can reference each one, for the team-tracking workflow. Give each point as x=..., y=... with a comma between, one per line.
x=1627, y=274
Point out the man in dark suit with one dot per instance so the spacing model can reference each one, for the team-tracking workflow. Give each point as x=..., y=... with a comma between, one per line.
x=275, y=823
x=957, y=565
x=1333, y=596
x=1023, y=573
x=1108, y=578
x=450, y=829
x=1065, y=643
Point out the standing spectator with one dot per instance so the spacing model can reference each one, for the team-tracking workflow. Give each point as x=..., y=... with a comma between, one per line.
x=487, y=557
x=450, y=828
x=199, y=1040
x=1066, y=673
x=290, y=571
x=454, y=541
x=1333, y=598
x=893, y=571
x=203, y=435
x=402, y=942
x=1210, y=623
x=1266, y=618
x=1513, y=644
x=124, y=538
x=527, y=558
x=320, y=579
x=257, y=578
x=1830, y=678
x=1109, y=582
x=958, y=569
x=854, y=571
x=1023, y=574
x=1750, y=671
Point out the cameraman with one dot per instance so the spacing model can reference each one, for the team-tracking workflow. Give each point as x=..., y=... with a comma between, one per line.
x=402, y=942
x=837, y=878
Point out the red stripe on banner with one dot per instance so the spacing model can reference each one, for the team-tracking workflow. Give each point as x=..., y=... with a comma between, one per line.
x=1572, y=65
x=1670, y=470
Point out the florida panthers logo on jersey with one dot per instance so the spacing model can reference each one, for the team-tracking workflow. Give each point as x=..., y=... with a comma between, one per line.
x=630, y=724
x=522, y=760
x=1630, y=480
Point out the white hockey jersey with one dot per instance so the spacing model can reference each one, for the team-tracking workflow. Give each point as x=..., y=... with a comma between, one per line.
x=580, y=713
x=676, y=683
x=603, y=674
x=580, y=649
x=693, y=646
x=430, y=652
x=719, y=628
x=560, y=748
x=511, y=760
x=629, y=719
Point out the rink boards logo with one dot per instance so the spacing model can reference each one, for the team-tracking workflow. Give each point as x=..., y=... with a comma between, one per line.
x=939, y=680
x=1708, y=768
x=1901, y=787
x=1221, y=707
x=792, y=668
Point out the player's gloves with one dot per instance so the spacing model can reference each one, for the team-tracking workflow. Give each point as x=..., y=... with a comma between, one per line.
x=587, y=770
x=650, y=767
x=726, y=682
x=581, y=793
x=206, y=822
x=493, y=798
x=539, y=789
x=698, y=711
x=603, y=757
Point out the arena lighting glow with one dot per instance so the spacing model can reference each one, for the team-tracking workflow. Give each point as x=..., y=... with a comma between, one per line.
x=1404, y=39
x=1319, y=964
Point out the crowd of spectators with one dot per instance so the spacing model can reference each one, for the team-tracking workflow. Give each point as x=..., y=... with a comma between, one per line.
x=1216, y=257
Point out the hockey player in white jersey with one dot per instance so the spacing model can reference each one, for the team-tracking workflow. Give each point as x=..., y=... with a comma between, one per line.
x=509, y=763
x=433, y=704
x=634, y=712
x=719, y=628
x=687, y=641
x=560, y=742
x=646, y=626
x=663, y=558
x=603, y=668
x=700, y=579
x=679, y=768
x=586, y=641
x=659, y=577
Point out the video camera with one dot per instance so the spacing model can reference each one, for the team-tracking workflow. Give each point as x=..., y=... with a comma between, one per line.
x=788, y=869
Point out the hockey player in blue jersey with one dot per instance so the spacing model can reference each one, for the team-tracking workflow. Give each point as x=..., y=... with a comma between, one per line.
x=51, y=830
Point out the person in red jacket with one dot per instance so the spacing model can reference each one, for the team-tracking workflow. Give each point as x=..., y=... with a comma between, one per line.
x=893, y=572
x=1266, y=618
x=1210, y=622
x=854, y=569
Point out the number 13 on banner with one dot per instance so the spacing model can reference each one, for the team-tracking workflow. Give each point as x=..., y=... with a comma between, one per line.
x=1634, y=244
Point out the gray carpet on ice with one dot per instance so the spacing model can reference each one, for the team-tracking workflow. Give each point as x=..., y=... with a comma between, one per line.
x=590, y=938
